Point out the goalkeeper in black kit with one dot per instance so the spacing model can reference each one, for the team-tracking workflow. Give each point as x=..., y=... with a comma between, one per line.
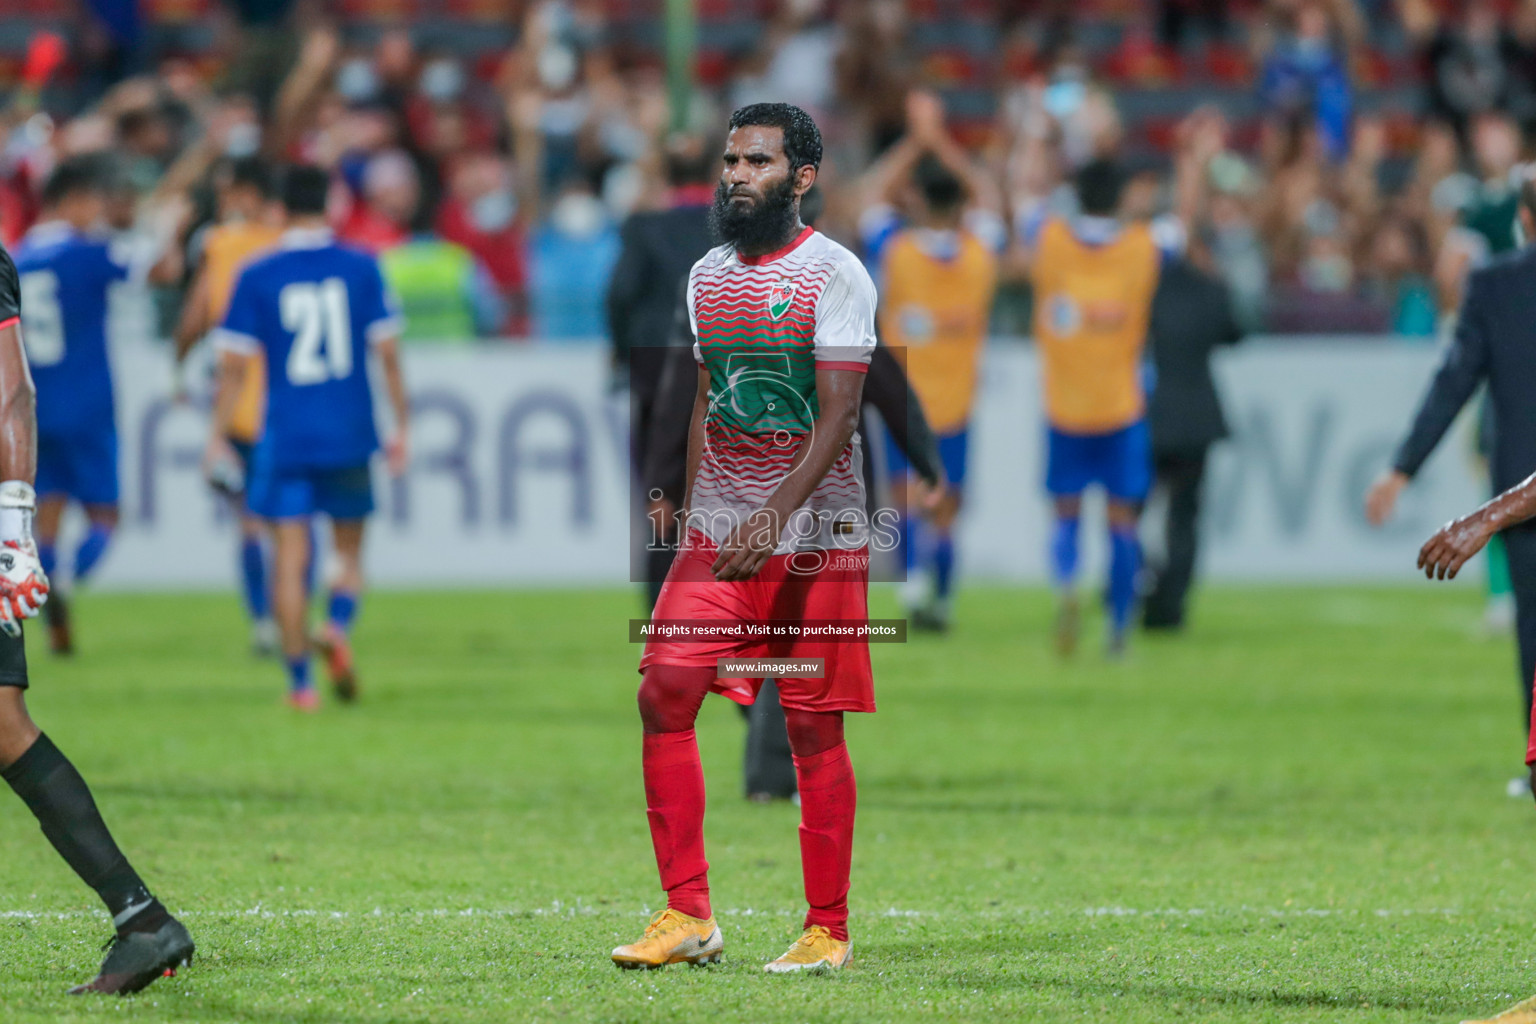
x=149, y=942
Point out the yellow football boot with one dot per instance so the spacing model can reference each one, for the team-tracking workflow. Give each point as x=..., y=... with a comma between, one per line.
x=1521, y=1013
x=673, y=937
x=815, y=950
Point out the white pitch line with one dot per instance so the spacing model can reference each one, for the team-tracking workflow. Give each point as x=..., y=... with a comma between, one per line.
x=584, y=910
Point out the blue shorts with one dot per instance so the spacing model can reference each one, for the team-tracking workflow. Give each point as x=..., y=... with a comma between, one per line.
x=83, y=468
x=1120, y=462
x=344, y=494
x=952, y=449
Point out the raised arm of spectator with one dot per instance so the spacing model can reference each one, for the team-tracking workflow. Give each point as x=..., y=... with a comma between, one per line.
x=301, y=90
x=1522, y=23
x=196, y=316
x=1349, y=23
x=1419, y=19
x=1201, y=137
x=878, y=185
x=525, y=109
x=932, y=134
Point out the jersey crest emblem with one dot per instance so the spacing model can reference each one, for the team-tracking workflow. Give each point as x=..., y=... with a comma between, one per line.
x=780, y=298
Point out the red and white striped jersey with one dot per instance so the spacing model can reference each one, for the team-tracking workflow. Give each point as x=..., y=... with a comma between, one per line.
x=762, y=325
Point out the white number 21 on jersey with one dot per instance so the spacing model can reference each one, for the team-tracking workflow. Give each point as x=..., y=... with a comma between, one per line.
x=319, y=318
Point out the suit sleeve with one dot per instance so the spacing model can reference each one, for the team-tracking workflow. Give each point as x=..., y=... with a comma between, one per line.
x=10, y=290
x=889, y=391
x=664, y=459
x=1463, y=368
x=625, y=286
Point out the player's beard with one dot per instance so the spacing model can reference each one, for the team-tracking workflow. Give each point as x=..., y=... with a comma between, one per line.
x=764, y=226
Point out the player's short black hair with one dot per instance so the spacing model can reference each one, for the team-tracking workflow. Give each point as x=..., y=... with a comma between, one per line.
x=251, y=172
x=941, y=188
x=305, y=190
x=802, y=139
x=1099, y=184
x=75, y=175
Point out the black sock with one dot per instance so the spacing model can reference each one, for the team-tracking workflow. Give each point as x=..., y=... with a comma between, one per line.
x=59, y=797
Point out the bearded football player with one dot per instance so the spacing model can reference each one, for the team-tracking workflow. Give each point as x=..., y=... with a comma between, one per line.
x=149, y=942
x=774, y=529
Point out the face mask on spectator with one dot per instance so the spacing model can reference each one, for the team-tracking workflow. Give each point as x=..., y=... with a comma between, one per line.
x=1062, y=99
x=557, y=67
x=442, y=81
x=357, y=81
x=577, y=215
x=493, y=211
x=622, y=187
x=244, y=140
x=1329, y=273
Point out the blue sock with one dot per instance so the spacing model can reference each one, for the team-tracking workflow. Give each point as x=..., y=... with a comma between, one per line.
x=1124, y=563
x=944, y=564
x=91, y=549
x=919, y=546
x=48, y=557
x=343, y=610
x=904, y=542
x=253, y=574
x=1064, y=553
x=298, y=673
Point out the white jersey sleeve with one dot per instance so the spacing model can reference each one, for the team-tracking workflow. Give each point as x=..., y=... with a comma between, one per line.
x=845, y=316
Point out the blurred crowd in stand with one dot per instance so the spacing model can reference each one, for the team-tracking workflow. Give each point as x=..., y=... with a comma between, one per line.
x=1345, y=161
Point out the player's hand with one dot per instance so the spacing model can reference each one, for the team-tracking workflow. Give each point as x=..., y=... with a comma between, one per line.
x=927, y=496
x=23, y=585
x=663, y=516
x=1533, y=780
x=748, y=547
x=218, y=451
x=397, y=454
x=180, y=394
x=1443, y=555
x=1381, y=499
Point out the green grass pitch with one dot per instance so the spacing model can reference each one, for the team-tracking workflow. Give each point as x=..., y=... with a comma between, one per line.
x=1294, y=813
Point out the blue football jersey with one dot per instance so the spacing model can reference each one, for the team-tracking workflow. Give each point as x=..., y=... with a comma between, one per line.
x=65, y=277
x=313, y=308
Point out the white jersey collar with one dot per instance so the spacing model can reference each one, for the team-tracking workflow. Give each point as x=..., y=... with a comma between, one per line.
x=307, y=238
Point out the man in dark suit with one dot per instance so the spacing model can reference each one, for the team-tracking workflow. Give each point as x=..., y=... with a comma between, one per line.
x=658, y=249
x=1191, y=317
x=1495, y=341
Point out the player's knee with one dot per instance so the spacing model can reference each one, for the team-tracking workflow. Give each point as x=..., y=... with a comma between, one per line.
x=811, y=732
x=17, y=731
x=102, y=517
x=1122, y=515
x=669, y=698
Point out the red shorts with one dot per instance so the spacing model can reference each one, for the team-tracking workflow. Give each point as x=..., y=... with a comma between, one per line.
x=837, y=591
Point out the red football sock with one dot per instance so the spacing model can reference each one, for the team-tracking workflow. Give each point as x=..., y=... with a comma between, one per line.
x=674, y=803
x=828, y=797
